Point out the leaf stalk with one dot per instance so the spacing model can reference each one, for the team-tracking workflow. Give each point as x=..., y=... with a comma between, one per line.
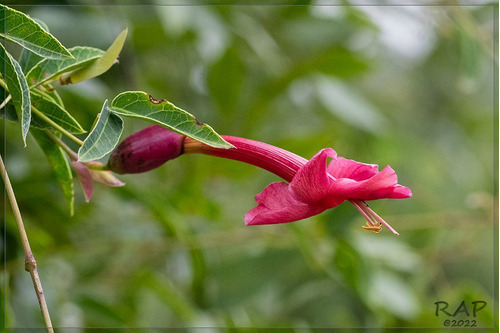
x=56, y=126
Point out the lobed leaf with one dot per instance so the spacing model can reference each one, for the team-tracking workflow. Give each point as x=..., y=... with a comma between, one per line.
x=101, y=65
x=49, y=70
x=19, y=28
x=138, y=104
x=103, y=138
x=49, y=107
x=18, y=88
x=59, y=164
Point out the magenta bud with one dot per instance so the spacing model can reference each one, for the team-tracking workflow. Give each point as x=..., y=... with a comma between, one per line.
x=146, y=150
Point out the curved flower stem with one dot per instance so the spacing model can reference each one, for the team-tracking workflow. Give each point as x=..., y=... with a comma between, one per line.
x=29, y=263
x=56, y=126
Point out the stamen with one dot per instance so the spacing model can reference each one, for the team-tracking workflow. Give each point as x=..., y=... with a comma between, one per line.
x=361, y=209
x=381, y=220
x=376, y=229
x=373, y=218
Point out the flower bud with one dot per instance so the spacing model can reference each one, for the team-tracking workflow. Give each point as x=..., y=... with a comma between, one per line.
x=146, y=150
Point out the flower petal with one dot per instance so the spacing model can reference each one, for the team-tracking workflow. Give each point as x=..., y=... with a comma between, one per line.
x=382, y=185
x=343, y=168
x=400, y=192
x=276, y=204
x=312, y=181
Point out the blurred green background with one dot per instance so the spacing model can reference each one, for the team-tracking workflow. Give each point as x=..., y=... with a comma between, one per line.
x=409, y=86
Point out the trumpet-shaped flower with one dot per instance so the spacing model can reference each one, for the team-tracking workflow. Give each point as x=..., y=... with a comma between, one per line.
x=323, y=182
x=320, y=185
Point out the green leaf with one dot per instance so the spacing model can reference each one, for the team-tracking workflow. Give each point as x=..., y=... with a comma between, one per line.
x=49, y=70
x=52, y=95
x=45, y=104
x=28, y=60
x=18, y=88
x=103, y=138
x=59, y=164
x=23, y=30
x=100, y=66
x=138, y=104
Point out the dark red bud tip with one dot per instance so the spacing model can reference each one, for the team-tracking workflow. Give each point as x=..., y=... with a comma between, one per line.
x=146, y=150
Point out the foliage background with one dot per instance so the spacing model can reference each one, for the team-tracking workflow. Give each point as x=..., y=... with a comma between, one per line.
x=409, y=86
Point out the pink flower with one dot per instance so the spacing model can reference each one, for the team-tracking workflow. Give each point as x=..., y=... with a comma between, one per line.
x=313, y=186
x=319, y=185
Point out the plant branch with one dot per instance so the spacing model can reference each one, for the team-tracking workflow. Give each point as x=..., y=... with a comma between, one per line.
x=56, y=126
x=8, y=98
x=29, y=263
x=4, y=103
x=2, y=83
x=72, y=155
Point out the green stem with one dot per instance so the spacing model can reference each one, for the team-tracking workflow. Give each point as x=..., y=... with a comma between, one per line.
x=96, y=166
x=3, y=84
x=56, y=126
x=29, y=262
x=72, y=155
x=4, y=103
